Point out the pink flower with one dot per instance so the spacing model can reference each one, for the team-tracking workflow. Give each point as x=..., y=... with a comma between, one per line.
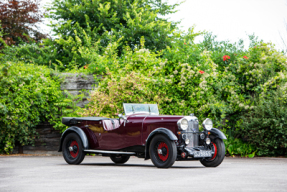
x=185, y=43
x=245, y=57
x=201, y=72
x=226, y=57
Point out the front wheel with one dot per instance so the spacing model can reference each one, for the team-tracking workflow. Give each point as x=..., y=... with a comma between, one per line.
x=219, y=153
x=119, y=159
x=162, y=151
x=73, y=149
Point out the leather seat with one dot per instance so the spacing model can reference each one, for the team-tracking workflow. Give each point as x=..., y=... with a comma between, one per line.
x=112, y=124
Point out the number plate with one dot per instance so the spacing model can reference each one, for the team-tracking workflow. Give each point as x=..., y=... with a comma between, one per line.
x=202, y=154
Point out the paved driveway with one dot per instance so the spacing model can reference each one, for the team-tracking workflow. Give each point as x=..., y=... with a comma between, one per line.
x=100, y=174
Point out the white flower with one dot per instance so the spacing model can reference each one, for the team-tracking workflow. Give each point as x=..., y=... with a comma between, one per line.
x=184, y=64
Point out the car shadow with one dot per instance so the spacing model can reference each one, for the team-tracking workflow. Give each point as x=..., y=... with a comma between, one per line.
x=137, y=165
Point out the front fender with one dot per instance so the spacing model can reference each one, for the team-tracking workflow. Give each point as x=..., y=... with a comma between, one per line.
x=78, y=131
x=217, y=133
x=168, y=133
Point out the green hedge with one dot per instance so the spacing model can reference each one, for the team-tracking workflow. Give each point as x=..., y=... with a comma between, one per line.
x=29, y=94
x=265, y=125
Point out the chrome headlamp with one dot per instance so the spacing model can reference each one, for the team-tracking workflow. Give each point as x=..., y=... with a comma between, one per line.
x=183, y=124
x=207, y=124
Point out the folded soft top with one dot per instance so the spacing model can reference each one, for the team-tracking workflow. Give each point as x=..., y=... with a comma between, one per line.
x=73, y=120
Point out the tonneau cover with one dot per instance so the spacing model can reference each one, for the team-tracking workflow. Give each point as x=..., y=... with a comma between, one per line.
x=73, y=120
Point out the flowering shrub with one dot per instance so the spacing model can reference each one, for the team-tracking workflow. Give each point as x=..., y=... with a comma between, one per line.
x=131, y=88
x=226, y=57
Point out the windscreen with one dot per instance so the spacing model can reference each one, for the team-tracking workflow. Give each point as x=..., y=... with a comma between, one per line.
x=133, y=108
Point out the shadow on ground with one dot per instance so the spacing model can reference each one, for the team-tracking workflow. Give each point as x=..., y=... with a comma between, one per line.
x=135, y=165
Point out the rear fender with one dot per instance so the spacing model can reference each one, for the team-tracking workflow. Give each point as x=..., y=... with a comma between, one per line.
x=78, y=131
x=168, y=133
x=217, y=133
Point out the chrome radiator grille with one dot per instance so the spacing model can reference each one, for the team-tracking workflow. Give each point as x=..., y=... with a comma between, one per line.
x=192, y=133
x=195, y=126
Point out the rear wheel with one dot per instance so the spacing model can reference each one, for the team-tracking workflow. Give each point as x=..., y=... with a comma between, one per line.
x=73, y=149
x=219, y=153
x=162, y=151
x=119, y=159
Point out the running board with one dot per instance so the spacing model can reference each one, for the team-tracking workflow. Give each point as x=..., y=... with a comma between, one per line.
x=109, y=152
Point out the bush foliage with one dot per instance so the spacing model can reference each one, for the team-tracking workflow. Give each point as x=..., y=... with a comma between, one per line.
x=265, y=125
x=29, y=94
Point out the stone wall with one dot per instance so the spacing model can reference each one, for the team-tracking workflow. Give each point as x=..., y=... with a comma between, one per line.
x=49, y=139
x=77, y=83
x=47, y=142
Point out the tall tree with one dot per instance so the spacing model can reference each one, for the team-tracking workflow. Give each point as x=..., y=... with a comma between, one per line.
x=18, y=19
x=126, y=19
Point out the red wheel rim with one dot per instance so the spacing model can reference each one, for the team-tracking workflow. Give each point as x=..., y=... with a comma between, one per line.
x=215, y=151
x=73, y=153
x=162, y=151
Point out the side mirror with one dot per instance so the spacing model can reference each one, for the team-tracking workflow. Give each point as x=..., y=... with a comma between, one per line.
x=120, y=115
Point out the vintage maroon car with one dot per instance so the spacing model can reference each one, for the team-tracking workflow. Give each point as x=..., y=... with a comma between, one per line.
x=142, y=132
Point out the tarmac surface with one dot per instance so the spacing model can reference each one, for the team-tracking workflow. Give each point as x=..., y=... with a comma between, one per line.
x=39, y=173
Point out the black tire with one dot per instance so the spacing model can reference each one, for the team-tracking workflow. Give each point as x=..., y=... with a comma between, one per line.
x=218, y=145
x=119, y=159
x=77, y=155
x=167, y=156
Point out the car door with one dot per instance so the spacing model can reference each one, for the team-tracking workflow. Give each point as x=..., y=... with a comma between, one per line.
x=133, y=130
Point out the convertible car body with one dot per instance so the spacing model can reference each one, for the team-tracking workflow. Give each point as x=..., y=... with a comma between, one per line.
x=142, y=132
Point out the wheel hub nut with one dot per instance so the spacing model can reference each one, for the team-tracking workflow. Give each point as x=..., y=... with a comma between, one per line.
x=159, y=151
x=71, y=148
